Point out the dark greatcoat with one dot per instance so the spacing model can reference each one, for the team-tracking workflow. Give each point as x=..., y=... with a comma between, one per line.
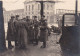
x=43, y=31
x=16, y=29
x=27, y=26
x=30, y=32
x=36, y=29
x=22, y=33
x=10, y=31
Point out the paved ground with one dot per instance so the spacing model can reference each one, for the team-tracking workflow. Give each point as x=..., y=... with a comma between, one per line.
x=52, y=49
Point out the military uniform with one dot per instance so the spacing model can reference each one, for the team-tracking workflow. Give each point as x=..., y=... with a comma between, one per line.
x=22, y=34
x=16, y=32
x=36, y=30
x=30, y=32
x=43, y=32
x=10, y=32
x=16, y=23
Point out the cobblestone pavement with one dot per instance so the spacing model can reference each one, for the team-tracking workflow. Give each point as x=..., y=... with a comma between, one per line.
x=52, y=49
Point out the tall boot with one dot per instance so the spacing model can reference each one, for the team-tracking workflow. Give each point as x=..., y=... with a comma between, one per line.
x=10, y=45
x=44, y=45
x=36, y=41
x=16, y=43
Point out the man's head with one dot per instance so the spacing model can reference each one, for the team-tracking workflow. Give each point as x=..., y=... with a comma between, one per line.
x=43, y=17
x=24, y=19
x=27, y=18
x=12, y=17
x=17, y=17
x=35, y=17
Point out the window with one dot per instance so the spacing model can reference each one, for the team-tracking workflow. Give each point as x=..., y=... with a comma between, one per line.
x=69, y=20
x=29, y=13
x=44, y=6
x=51, y=19
x=32, y=7
x=38, y=18
x=47, y=6
x=26, y=8
x=51, y=5
x=47, y=12
x=26, y=13
x=29, y=7
x=47, y=16
x=38, y=6
x=32, y=12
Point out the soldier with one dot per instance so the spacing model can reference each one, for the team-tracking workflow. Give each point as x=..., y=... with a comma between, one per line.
x=43, y=31
x=16, y=27
x=27, y=18
x=22, y=35
x=31, y=32
x=36, y=29
x=10, y=32
x=17, y=17
x=24, y=19
x=28, y=28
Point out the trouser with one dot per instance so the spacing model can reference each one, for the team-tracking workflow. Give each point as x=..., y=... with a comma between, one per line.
x=16, y=43
x=21, y=43
x=36, y=36
x=9, y=44
x=44, y=44
x=36, y=40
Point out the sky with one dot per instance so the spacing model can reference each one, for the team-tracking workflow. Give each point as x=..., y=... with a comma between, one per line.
x=19, y=4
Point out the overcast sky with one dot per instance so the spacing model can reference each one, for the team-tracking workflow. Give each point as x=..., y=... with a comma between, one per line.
x=18, y=4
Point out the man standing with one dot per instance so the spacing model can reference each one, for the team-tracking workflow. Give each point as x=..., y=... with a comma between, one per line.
x=10, y=32
x=22, y=35
x=43, y=31
x=16, y=29
x=29, y=29
x=31, y=32
x=36, y=29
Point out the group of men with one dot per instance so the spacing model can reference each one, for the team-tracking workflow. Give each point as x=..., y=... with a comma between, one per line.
x=27, y=31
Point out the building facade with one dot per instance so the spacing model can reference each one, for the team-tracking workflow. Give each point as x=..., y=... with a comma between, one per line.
x=8, y=14
x=32, y=8
x=70, y=19
x=60, y=12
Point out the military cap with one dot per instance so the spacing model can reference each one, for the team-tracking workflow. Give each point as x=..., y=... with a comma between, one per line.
x=43, y=20
x=24, y=18
x=27, y=19
x=27, y=16
x=35, y=16
x=12, y=17
x=43, y=16
x=17, y=15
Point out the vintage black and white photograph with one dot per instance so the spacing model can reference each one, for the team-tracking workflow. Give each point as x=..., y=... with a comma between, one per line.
x=39, y=27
